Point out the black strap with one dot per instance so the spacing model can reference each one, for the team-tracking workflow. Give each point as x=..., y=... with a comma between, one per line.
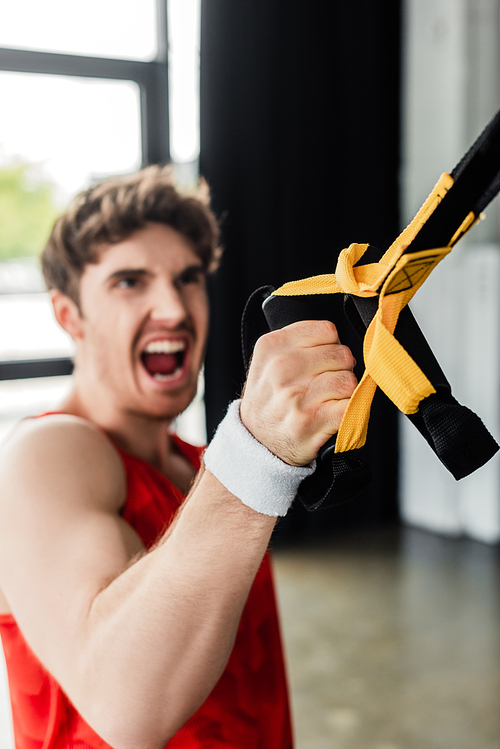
x=456, y=434
x=253, y=323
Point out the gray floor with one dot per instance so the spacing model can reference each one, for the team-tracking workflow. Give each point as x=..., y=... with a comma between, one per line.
x=393, y=641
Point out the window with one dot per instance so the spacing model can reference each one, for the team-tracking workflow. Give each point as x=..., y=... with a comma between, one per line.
x=120, y=29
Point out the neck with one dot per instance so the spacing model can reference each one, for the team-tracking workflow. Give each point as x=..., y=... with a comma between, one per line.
x=138, y=434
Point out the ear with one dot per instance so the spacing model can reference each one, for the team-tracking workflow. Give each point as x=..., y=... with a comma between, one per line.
x=66, y=313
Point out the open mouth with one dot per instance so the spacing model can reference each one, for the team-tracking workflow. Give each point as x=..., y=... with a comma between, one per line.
x=164, y=360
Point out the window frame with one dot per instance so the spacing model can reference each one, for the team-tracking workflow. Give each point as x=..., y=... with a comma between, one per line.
x=152, y=80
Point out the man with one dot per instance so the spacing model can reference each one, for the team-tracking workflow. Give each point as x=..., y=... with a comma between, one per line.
x=119, y=625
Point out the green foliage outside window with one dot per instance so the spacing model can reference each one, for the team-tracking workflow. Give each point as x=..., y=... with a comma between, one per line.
x=27, y=212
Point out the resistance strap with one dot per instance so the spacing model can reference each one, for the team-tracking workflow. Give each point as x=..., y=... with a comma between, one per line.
x=377, y=288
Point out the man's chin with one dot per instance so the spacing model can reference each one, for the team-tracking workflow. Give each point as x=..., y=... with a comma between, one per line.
x=165, y=407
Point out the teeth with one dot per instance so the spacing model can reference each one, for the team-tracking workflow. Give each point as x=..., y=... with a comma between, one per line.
x=165, y=347
x=164, y=378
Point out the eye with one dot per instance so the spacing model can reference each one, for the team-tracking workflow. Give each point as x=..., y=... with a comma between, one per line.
x=129, y=282
x=194, y=275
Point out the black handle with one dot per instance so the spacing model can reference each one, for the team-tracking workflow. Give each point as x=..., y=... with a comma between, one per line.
x=282, y=311
x=338, y=476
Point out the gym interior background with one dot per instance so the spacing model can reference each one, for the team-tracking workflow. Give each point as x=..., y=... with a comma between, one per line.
x=316, y=126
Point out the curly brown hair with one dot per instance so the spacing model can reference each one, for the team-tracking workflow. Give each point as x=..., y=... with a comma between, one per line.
x=113, y=210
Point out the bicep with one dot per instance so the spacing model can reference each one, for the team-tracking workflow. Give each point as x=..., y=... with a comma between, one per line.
x=61, y=537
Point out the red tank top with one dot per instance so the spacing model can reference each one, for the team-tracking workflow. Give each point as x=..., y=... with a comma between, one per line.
x=247, y=709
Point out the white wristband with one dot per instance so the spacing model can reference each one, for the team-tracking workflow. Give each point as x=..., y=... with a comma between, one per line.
x=249, y=470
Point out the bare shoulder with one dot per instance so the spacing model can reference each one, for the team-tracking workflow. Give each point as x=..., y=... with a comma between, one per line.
x=62, y=455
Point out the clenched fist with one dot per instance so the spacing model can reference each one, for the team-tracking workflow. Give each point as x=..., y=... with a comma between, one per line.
x=298, y=386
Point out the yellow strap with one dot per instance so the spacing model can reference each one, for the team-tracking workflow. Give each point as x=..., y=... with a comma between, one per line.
x=408, y=235
x=365, y=280
x=387, y=364
x=394, y=279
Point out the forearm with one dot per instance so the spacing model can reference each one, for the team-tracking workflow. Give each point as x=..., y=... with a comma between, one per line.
x=138, y=647
x=185, y=599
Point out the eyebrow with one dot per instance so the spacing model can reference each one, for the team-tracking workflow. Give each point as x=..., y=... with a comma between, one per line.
x=127, y=272
x=197, y=267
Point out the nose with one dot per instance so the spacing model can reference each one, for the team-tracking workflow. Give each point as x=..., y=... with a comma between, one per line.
x=167, y=305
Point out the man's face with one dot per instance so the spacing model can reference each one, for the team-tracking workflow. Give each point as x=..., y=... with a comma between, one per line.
x=144, y=319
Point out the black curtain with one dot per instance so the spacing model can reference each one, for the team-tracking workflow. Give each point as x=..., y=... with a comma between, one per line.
x=300, y=145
